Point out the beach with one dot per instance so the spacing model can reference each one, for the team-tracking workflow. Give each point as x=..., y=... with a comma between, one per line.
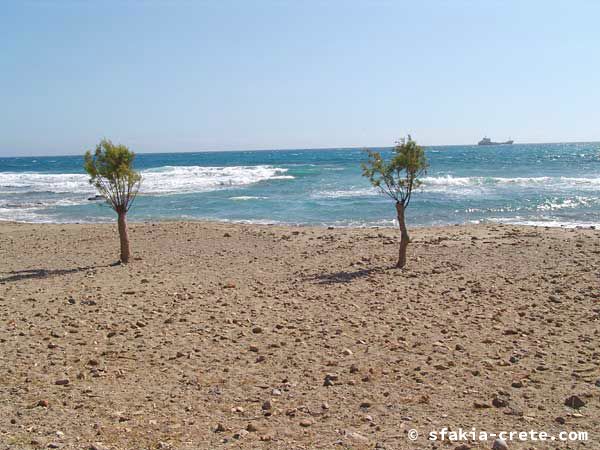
x=222, y=335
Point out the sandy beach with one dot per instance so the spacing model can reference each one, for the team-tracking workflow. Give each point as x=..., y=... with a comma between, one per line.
x=246, y=336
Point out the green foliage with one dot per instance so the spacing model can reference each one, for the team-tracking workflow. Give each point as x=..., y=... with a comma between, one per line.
x=111, y=171
x=399, y=176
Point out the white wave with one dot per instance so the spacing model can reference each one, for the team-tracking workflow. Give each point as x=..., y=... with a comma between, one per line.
x=22, y=215
x=449, y=180
x=187, y=179
x=60, y=183
x=162, y=180
x=41, y=204
x=543, y=223
x=41, y=211
x=247, y=197
x=468, y=186
x=342, y=193
x=252, y=221
x=462, y=186
x=573, y=202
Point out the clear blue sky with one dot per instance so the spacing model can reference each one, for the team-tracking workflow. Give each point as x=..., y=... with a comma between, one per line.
x=218, y=75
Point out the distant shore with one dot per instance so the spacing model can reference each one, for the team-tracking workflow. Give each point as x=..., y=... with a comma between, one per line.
x=225, y=335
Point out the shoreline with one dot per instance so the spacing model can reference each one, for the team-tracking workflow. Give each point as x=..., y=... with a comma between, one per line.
x=222, y=335
x=258, y=222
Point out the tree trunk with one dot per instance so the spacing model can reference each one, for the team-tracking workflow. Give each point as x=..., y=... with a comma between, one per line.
x=124, y=237
x=404, y=239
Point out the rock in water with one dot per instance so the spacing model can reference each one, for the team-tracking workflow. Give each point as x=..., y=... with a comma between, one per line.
x=499, y=444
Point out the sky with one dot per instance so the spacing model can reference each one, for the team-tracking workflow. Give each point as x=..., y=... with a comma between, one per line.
x=162, y=76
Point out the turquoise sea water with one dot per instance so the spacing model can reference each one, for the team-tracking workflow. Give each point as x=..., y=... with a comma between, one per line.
x=541, y=184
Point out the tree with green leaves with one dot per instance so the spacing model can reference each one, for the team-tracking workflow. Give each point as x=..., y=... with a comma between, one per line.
x=111, y=171
x=398, y=178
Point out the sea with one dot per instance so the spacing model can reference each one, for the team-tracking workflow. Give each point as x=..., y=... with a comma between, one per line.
x=533, y=184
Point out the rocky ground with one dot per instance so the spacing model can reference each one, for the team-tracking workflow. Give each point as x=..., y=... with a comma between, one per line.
x=237, y=336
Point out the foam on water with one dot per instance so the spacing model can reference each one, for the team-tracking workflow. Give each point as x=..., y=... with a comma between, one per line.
x=22, y=215
x=186, y=179
x=59, y=183
x=346, y=193
x=570, y=202
x=247, y=197
x=544, y=223
x=160, y=180
x=565, y=182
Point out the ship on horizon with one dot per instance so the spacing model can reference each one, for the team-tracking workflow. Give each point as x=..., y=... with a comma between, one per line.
x=487, y=141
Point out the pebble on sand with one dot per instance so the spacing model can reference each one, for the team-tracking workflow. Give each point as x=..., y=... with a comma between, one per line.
x=499, y=444
x=98, y=446
x=357, y=437
x=266, y=406
x=329, y=379
x=499, y=402
x=240, y=434
x=574, y=402
x=306, y=423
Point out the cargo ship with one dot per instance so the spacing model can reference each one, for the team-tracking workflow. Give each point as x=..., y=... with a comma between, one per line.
x=488, y=141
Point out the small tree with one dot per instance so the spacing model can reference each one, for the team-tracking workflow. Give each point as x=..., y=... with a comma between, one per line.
x=111, y=171
x=397, y=179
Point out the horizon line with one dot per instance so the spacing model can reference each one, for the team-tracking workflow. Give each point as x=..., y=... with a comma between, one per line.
x=233, y=150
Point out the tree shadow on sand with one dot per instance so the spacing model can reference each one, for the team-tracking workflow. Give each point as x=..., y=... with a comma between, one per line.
x=346, y=276
x=29, y=274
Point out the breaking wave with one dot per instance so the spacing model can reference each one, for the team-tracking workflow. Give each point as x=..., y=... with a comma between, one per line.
x=344, y=193
x=567, y=182
x=162, y=180
x=246, y=197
